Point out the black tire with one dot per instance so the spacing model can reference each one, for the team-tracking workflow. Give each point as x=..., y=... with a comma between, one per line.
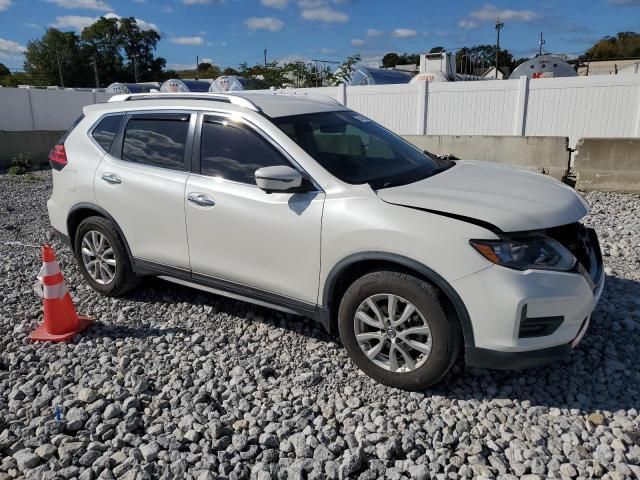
x=124, y=279
x=445, y=332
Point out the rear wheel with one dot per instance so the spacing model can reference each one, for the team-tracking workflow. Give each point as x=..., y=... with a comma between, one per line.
x=102, y=257
x=395, y=329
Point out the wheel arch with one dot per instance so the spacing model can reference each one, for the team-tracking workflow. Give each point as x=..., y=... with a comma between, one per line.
x=358, y=264
x=80, y=211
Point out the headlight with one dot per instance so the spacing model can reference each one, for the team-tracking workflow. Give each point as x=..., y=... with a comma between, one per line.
x=522, y=253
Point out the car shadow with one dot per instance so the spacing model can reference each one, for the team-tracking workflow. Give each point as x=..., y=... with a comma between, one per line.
x=600, y=374
x=100, y=329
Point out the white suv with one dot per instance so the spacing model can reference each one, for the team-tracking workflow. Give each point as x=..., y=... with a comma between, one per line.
x=300, y=204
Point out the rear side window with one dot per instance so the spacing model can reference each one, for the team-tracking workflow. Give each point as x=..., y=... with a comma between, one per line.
x=106, y=131
x=234, y=152
x=159, y=140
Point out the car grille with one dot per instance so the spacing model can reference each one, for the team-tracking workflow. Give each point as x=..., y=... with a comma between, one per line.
x=583, y=243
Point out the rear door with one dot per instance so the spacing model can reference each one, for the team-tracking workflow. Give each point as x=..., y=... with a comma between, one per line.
x=240, y=236
x=141, y=183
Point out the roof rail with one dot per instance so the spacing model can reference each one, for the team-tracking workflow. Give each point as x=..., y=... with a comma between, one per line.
x=321, y=97
x=216, y=97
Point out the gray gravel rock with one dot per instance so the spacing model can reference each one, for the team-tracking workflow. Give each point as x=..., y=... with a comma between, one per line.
x=176, y=383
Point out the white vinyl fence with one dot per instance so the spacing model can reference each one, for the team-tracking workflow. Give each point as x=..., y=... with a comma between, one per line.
x=599, y=106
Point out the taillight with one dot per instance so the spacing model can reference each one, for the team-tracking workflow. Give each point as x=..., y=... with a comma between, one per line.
x=58, y=157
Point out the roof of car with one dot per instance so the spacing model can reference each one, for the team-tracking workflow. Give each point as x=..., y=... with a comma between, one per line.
x=272, y=104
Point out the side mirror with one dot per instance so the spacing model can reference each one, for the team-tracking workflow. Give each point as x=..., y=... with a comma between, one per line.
x=278, y=179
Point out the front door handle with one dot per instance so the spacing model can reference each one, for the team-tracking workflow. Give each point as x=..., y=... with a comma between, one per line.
x=111, y=178
x=201, y=199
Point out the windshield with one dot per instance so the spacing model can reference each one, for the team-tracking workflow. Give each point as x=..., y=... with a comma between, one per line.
x=358, y=150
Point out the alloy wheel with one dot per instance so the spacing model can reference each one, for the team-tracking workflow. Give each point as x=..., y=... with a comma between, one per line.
x=392, y=333
x=98, y=257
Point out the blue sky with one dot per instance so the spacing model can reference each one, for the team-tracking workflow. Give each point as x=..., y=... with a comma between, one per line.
x=230, y=32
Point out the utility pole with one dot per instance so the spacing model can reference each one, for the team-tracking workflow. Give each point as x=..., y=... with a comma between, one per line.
x=499, y=26
x=542, y=42
x=265, y=59
x=134, y=57
x=95, y=71
x=197, y=67
x=59, y=69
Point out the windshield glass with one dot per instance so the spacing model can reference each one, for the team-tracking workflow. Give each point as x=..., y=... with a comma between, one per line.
x=358, y=150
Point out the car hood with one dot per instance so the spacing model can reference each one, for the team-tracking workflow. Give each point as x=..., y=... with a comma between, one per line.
x=508, y=198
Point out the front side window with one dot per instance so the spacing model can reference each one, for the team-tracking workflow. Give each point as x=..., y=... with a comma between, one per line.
x=234, y=152
x=357, y=150
x=106, y=131
x=157, y=140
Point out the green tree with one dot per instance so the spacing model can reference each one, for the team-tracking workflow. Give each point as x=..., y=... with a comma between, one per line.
x=56, y=59
x=478, y=59
x=390, y=60
x=230, y=71
x=4, y=71
x=117, y=46
x=138, y=46
x=102, y=43
x=623, y=45
x=344, y=71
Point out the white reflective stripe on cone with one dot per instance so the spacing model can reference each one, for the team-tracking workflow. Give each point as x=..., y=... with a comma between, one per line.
x=37, y=287
x=48, y=269
x=54, y=292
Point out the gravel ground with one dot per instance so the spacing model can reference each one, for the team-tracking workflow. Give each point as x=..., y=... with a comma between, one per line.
x=174, y=383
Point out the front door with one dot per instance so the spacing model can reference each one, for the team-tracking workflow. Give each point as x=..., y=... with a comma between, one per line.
x=237, y=232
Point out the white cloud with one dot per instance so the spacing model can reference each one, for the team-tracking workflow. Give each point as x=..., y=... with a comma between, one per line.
x=76, y=22
x=10, y=48
x=293, y=59
x=324, y=14
x=187, y=40
x=4, y=4
x=372, y=32
x=181, y=66
x=79, y=23
x=275, y=3
x=271, y=24
x=141, y=23
x=467, y=24
x=85, y=4
x=311, y=3
x=490, y=12
x=32, y=25
x=206, y=60
x=403, y=33
x=358, y=42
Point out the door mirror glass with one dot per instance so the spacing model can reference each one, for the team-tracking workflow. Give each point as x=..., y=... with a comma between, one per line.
x=279, y=178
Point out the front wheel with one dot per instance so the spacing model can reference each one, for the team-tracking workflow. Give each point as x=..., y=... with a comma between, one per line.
x=395, y=329
x=102, y=257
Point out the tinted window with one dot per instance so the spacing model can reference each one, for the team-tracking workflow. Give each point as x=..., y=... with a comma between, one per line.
x=234, y=152
x=358, y=150
x=159, y=140
x=106, y=130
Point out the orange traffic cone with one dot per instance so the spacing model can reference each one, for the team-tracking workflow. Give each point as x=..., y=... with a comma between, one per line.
x=61, y=322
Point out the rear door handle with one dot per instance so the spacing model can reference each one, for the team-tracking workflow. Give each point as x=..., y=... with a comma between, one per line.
x=201, y=199
x=111, y=178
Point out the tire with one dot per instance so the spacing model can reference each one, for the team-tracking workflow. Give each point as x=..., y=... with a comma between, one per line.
x=123, y=279
x=445, y=333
